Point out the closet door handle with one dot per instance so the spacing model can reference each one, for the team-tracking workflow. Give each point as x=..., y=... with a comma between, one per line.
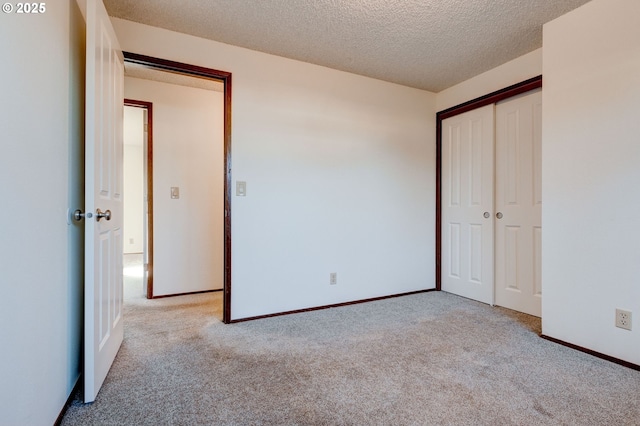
x=486, y=215
x=499, y=215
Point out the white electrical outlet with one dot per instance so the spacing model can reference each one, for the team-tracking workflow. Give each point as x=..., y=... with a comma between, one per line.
x=333, y=278
x=623, y=319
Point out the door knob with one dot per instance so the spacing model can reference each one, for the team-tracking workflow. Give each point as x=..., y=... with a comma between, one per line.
x=78, y=215
x=499, y=215
x=486, y=215
x=100, y=214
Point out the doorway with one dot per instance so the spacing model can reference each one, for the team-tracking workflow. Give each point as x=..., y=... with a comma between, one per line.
x=138, y=199
x=177, y=194
x=489, y=199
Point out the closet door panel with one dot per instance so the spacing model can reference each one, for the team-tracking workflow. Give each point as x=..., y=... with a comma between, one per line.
x=467, y=197
x=518, y=204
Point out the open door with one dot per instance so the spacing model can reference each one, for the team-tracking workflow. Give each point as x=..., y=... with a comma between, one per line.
x=103, y=293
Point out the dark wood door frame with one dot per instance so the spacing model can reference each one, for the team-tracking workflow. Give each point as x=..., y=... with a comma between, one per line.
x=148, y=106
x=225, y=78
x=491, y=98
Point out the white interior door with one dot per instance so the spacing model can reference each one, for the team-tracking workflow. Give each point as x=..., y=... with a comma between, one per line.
x=519, y=204
x=467, y=204
x=103, y=328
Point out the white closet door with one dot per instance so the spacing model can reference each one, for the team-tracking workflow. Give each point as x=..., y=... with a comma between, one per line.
x=467, y=204
x=518, y=230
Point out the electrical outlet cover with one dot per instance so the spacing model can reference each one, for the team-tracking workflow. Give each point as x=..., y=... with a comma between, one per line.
x=623, y=319
x=333, y=278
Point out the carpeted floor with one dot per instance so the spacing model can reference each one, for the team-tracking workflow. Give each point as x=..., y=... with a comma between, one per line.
x=426, y=359
x=133, y=273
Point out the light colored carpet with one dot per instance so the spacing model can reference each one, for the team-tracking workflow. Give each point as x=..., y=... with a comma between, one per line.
x=426, y=359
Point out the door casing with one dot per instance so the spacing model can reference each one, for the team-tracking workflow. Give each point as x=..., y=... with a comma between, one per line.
x=225, y=78
x=148, y=152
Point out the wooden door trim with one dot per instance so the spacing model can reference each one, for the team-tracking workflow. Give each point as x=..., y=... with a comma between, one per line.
x=491, y=98
x=149, y=182
x=225, y=78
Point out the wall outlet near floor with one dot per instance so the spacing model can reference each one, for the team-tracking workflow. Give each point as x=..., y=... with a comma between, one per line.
x=623, y=319
x=333, y=278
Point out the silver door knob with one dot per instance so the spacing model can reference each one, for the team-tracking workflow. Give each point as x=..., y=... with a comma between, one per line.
x=486, y=215
x=499, y=215
x=100, y=214
x=78, y=215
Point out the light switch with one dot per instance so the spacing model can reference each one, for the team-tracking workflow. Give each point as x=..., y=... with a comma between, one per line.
x=175, y=192
x=241, y=188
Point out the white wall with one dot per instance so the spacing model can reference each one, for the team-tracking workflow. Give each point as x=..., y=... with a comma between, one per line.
x=591, y=176
x=187, y=153
x=134, y=179
x=41, y=112
x=340, y=173
x=515, y=71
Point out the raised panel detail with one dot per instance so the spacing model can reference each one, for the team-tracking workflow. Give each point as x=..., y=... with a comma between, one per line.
x=475, y=255
x=511, y=251
x=537, y=261
x=454, y=255
x=475, y=176
x=454, y=166
x=117, y=289
x=537, y=153
x=117, y=127
x=103, y=109
x=118, y=137
x=105, y=286
x=512, y=158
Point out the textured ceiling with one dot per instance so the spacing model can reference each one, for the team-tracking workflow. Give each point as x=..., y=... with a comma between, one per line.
x=427, y=44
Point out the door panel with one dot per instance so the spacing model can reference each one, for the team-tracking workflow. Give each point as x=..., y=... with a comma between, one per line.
x=467, y=193
x=103, y=191
x=519, y=199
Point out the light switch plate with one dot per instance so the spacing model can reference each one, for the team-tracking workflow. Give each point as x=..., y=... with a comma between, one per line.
x=175, y=192
x=241, y=188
